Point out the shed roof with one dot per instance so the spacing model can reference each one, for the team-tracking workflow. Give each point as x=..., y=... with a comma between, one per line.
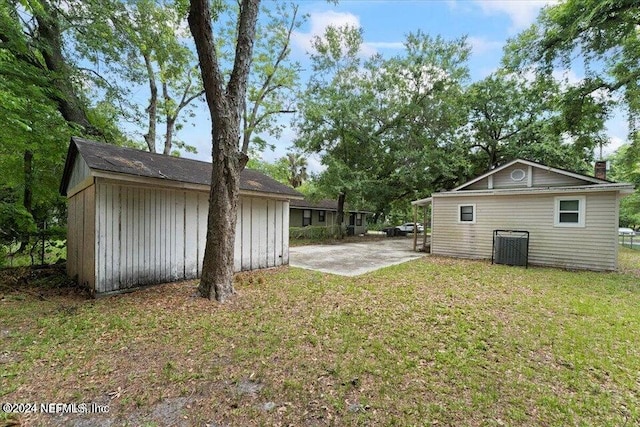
x=129, y=161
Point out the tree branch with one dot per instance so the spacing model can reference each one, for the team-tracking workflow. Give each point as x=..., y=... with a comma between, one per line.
x=244, y=47
x=251, y=122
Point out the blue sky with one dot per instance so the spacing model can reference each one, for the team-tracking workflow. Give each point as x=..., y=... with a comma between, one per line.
x=486, y=23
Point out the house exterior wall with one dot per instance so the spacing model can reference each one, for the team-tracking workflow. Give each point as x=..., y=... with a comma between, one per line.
x=358, y=229
x=593, y=247
x=545, y=178
x=295, y=217
x=533, y=177
x=147, y=235
x=331, y=218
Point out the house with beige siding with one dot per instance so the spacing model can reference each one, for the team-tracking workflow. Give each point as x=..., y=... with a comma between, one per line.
x=136, y=218
x=324, y=213
x=572, y=219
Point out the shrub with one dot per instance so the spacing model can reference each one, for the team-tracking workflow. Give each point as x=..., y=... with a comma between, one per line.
x=314, y=232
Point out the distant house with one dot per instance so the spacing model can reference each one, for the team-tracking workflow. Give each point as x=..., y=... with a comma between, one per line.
x=136, y=218
x=324, y=213
x=572, y=219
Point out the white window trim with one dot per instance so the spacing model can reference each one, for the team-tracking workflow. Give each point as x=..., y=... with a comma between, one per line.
x=582, y=202
x=475, y=213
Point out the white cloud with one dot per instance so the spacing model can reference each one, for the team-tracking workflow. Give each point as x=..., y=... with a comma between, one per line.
x=522, y=13
x=481, y=45
x=615, y=142
x=617, y=130
x=385, y=45
x=568, y=76
x=318, y=23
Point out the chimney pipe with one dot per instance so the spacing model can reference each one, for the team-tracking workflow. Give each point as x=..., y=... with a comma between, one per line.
x=601, y=169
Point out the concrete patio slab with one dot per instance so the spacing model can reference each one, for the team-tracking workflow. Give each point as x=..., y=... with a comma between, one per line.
x=353, y=259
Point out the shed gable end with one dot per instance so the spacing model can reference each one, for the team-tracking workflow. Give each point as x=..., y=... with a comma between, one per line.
x=79, y=172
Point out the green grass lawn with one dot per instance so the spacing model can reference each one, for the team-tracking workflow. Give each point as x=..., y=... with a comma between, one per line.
x=435, y=341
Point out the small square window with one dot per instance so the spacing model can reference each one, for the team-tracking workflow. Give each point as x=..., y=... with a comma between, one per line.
x=321, y=216
x=467, y=214
x=306, y=217
x=569, y=211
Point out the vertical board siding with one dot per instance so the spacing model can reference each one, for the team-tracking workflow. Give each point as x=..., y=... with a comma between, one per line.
x=246, y=228
x=277, y=248
x=81, y=237
x=259, y=235
x=89, y=238
x=203, y=209
x=79, y=215
x=191, y=260
x=237, y=245
x=72, y=229
x=179, y=248
x=589, y=247
x=271, y=237
x=146, y=235
x=285, y=232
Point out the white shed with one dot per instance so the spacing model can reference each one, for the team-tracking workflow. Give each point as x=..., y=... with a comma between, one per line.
x=572, y=219
x=137, y=218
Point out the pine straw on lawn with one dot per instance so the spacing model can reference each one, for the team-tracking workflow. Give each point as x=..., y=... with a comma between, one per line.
x=435, y=341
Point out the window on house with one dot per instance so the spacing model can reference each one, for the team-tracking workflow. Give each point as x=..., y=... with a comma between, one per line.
x=569, y=211
x=306, y=217
x=359, y=220
x=321, y=216
x=467, y=213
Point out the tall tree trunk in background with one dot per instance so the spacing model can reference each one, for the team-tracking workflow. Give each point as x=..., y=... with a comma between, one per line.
x=341, y=198
x=225, y=107
x=168, y=139
x=27, y=198
x=171, y=121
x=69, y=105
x=172, y=114
x=152, y=109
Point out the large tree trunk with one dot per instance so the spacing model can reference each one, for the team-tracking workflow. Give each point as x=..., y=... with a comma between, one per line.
x=217, y=268
x=341, y=198
x=27, y=198
x=69, y=105
x=225, y=107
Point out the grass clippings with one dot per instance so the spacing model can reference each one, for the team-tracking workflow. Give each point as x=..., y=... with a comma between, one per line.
x=435, y=341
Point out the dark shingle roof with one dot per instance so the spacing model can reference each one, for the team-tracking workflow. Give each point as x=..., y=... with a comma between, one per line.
x=111, y=158
x=324, y=204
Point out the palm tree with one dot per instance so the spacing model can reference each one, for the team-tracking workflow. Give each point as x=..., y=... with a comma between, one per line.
x=297, y=169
